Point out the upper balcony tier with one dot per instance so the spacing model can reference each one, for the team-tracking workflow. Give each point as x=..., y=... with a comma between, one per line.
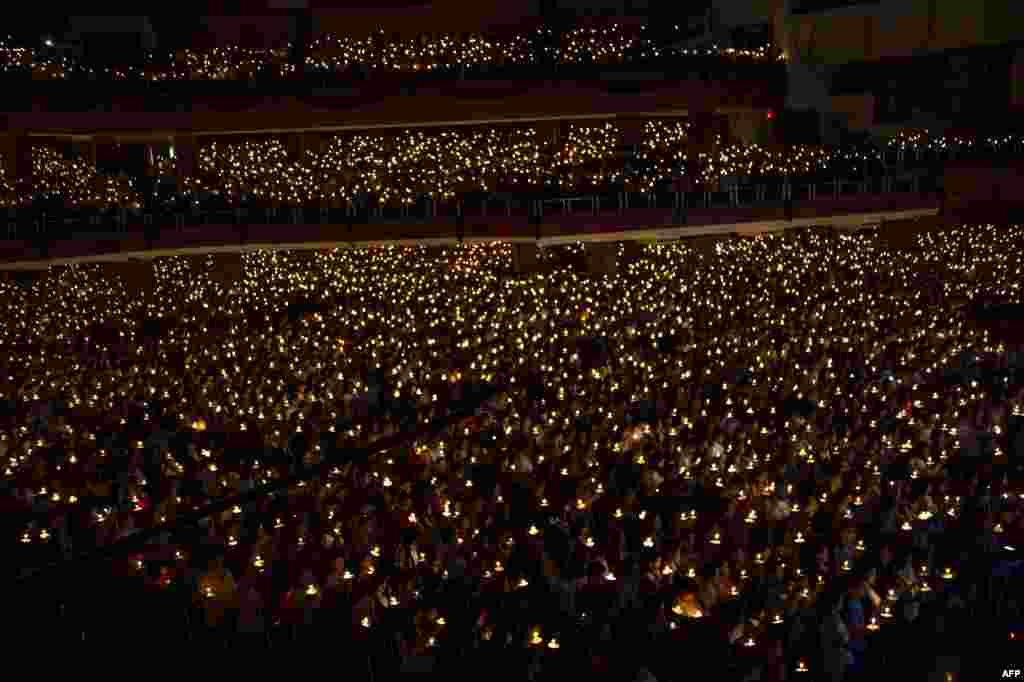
x=380, y=56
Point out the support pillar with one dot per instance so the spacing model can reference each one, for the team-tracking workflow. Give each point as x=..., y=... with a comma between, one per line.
x=17, y=152
x=632, y=132
x=89, y=152
x=297, y=144
x=551, y=132
x=700, y=141
x=184, y=159
x=1017, y=80
x=9, y=153
x=104, y=153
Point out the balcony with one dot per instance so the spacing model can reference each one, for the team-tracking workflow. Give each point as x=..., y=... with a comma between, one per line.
x=33, y=234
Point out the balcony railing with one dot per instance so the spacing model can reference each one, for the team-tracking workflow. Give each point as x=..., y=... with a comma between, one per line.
x=42, y=233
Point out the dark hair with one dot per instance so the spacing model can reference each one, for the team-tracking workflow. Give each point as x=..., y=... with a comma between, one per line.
x=711, y=568
x=828, y=600
x=919, y=487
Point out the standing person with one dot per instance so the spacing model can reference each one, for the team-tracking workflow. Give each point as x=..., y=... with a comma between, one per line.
x=835, y=637
x=788, y=198
x=153, y=468
x=859, y=592
x=217, y=594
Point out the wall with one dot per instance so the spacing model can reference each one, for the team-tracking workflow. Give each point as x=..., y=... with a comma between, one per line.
x=884, y=46
x=109, y=24
x=984, y=192
x=431, y=105
x=603, y=8
x=902, y=33
x=1003, y=21
x=899, y=28
x=857, y=110
x=959, y=24
x=129, y=30
x=17, y=150
x=440, y=16
x=1017, y=80
x=745, y=12
x=808, y=86
x=248, y=31
x=749, y=127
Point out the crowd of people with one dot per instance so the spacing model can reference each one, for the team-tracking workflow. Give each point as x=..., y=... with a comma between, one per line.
x=77, y=182
x=230, y=62
x=612, y=44
x=791, y=456
x=924, y=144
x=401, y=168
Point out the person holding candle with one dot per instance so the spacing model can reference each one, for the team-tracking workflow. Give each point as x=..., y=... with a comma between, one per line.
x=631, y=533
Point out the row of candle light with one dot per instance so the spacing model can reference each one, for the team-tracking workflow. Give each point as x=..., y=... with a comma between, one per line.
x=79, y=183
x=613, y=44
x=232, y=62
x=609, y=45
x=921, y=140
x=398, y=170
